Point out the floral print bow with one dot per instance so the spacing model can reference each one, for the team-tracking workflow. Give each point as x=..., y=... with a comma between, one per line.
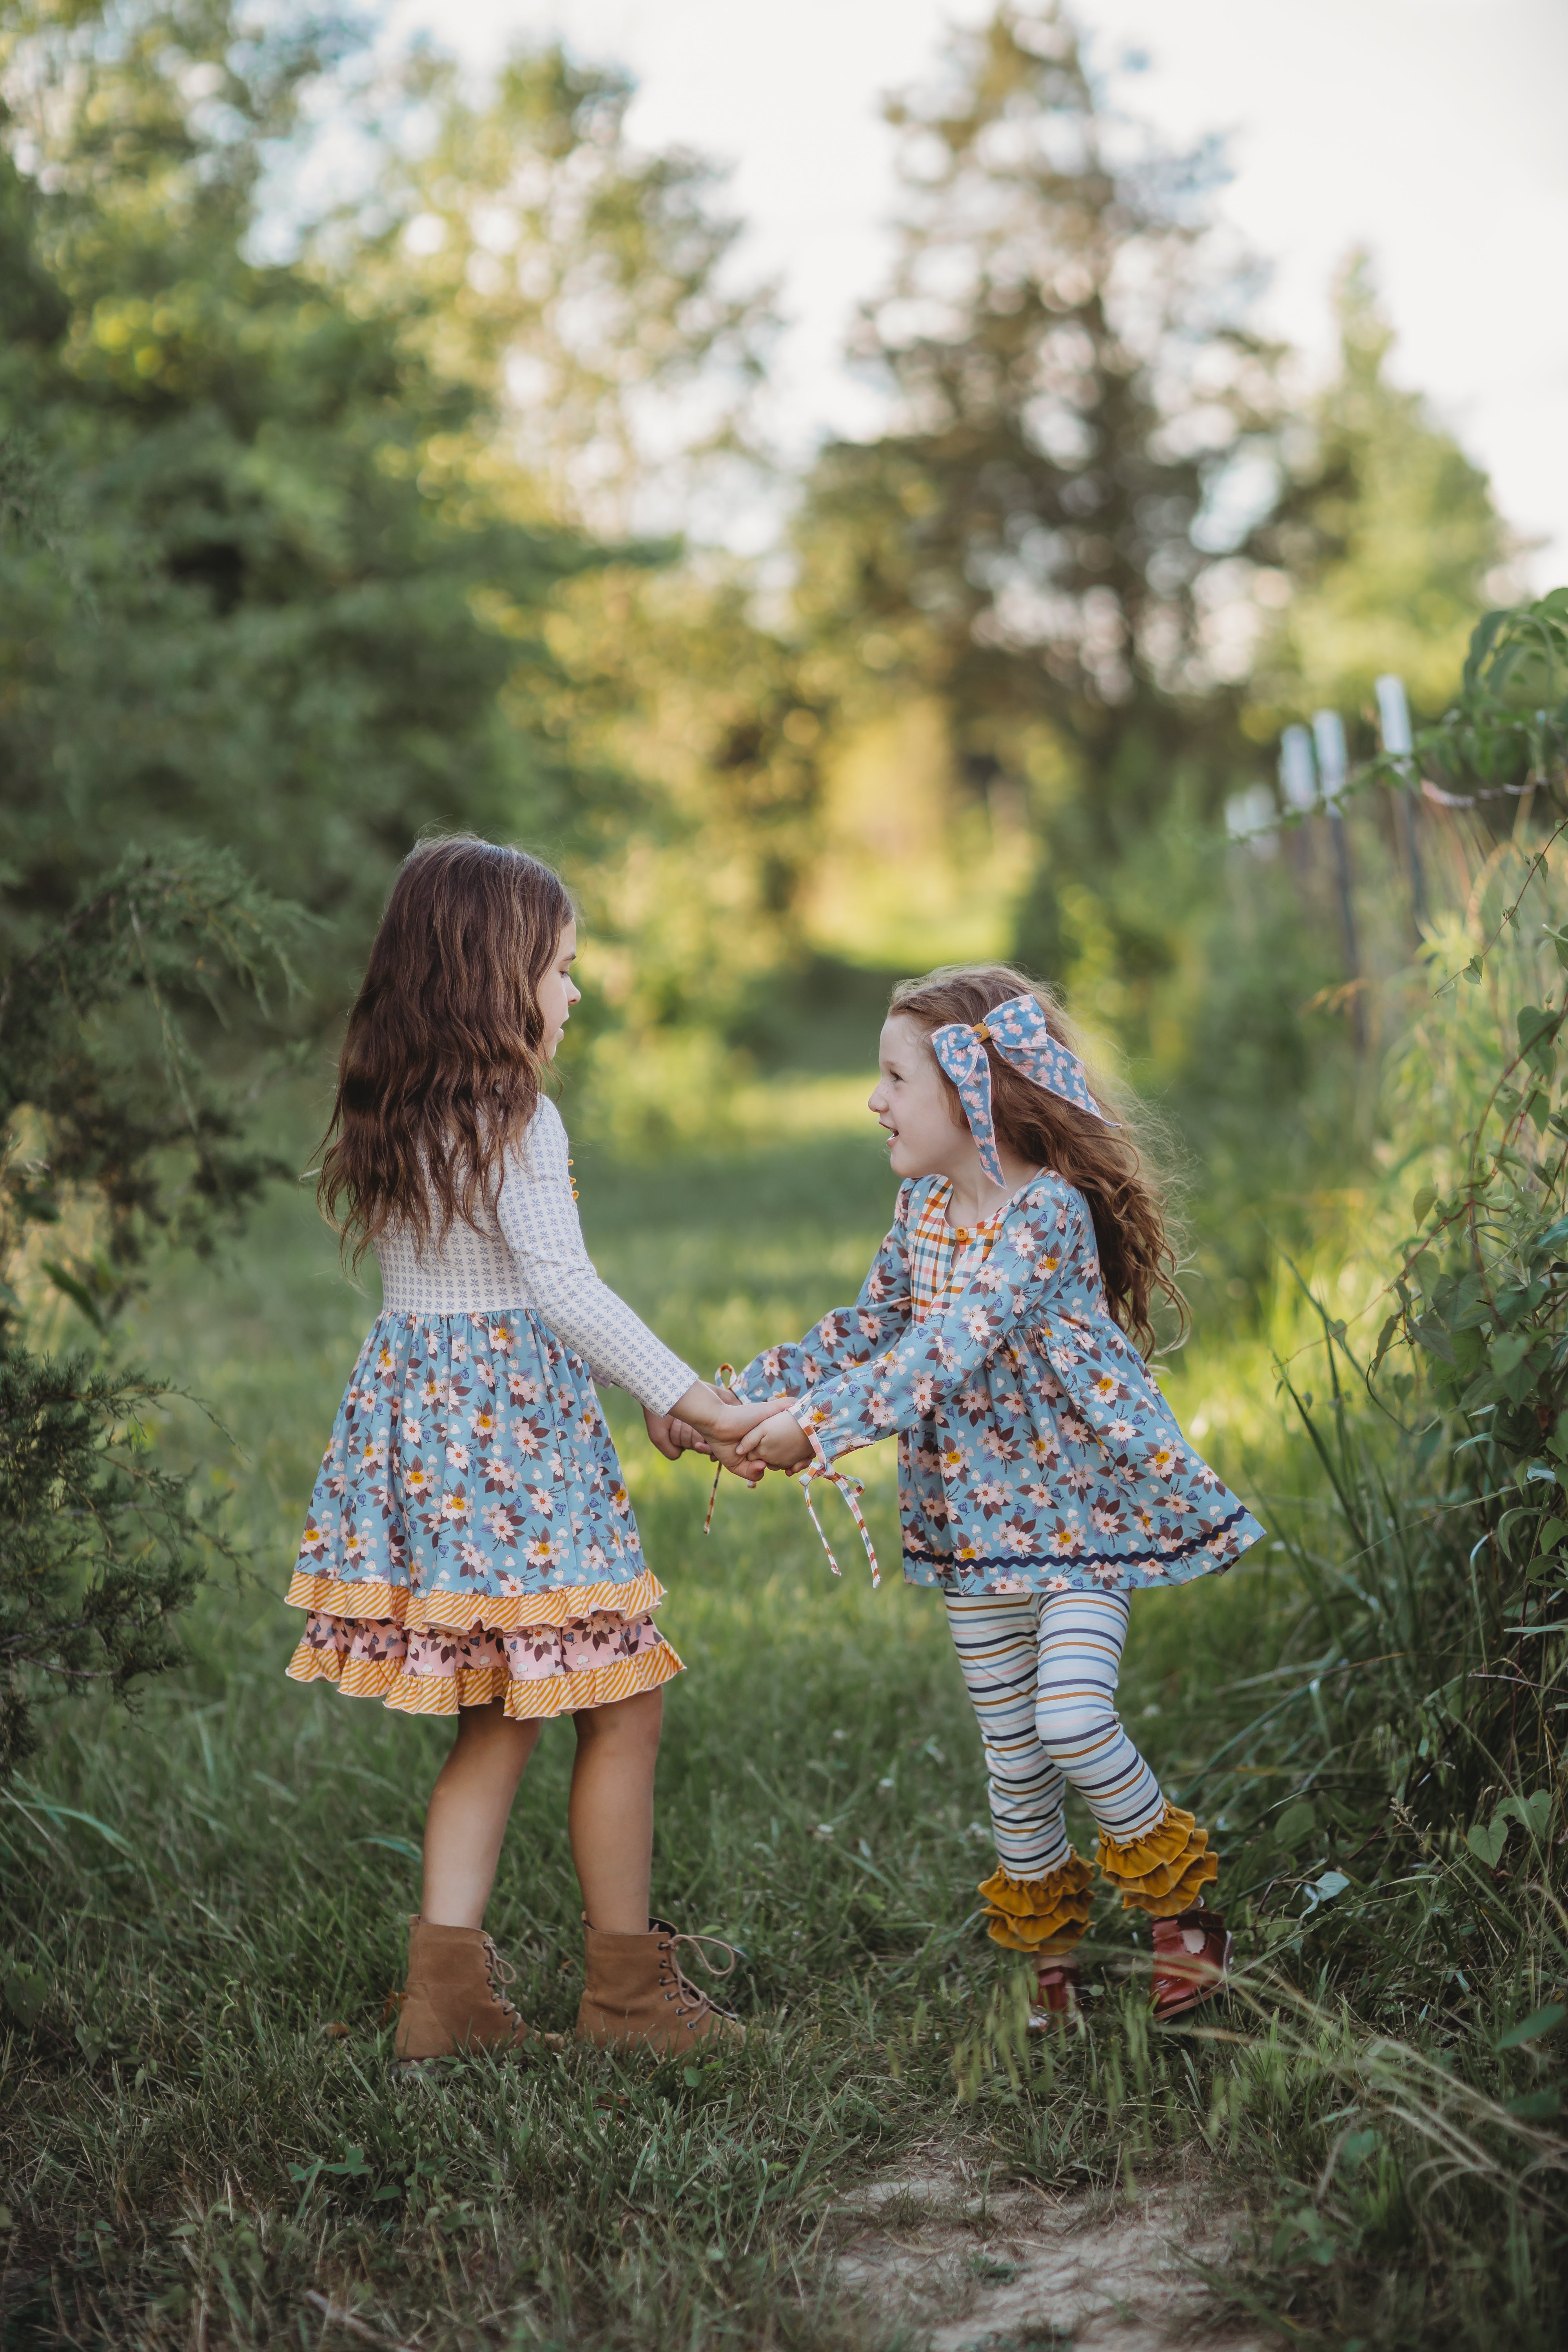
x=1017, y=1030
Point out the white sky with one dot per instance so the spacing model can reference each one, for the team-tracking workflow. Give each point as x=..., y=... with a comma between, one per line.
x=1431, y=131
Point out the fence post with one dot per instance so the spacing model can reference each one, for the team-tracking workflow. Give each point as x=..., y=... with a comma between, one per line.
x=1393, y=726
x=1328, y=736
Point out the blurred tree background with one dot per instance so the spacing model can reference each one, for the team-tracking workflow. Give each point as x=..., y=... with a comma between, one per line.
x=382, y=450
x=329, y=524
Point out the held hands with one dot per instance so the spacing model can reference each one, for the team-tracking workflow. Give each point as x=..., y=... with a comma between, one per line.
x=716, y=1415
x=748, y=1439
x=779, y=1441
x=661, y=1433
x=713, y=1449
x=709, y=1420
x=672, y=1434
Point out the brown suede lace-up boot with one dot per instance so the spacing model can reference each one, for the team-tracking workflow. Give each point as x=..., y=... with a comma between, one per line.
x=455, y=2001
x=636, y=1996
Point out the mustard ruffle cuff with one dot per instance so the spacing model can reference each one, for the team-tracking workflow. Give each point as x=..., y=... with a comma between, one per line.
x=1044, y=1915
x=1165, y=1870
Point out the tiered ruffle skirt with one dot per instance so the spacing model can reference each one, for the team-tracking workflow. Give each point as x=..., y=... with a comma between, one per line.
x=469, y=1537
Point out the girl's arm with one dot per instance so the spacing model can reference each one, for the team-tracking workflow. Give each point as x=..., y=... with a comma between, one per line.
x=1043, y=1247
x=850, y=1334
x=539, y=1219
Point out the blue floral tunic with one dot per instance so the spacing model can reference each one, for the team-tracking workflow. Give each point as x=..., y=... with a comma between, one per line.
x=1035, y=1452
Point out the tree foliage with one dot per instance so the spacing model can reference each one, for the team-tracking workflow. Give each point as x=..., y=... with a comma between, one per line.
x=116, y=1136
x=309, y=636
x=100, y=1548
x=1099, y=494
x=1434, y=1588
x=583, y=286
x=351, y=525
x=1390, y=546
x=108, y=1102
x=1074, y=385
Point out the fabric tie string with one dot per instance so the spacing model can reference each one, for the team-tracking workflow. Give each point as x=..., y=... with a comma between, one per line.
x=850, y=1488
x=724, y=1377
x=1018, y=1032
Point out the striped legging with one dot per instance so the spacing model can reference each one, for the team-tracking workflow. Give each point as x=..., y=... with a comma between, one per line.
x=1040, y=1669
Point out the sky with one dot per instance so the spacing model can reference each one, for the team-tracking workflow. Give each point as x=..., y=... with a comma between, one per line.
x=1428, y=131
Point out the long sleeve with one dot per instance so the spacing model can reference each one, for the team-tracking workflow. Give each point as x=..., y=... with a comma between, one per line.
x=850, y=1334
x=1042, y=1245
x=538, y=1220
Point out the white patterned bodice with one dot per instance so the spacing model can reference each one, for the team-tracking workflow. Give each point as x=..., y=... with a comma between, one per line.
x=532, y=1254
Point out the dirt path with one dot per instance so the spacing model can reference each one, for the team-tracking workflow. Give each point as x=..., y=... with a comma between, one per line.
x=978, y=2271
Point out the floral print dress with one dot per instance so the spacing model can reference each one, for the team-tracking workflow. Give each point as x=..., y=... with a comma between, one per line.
x=1036, y=1453
x=469, y=1536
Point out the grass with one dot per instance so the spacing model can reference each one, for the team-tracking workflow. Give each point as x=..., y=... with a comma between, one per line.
x=203, y=1906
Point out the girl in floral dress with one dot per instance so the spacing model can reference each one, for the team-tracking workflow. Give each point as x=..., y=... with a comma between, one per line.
x=469, y=1550
x=1042, y=1478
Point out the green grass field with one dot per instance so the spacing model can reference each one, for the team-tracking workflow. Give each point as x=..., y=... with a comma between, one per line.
x=205, y=1901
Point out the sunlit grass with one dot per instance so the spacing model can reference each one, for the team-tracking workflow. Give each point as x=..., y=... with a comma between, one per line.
x=205, y=1900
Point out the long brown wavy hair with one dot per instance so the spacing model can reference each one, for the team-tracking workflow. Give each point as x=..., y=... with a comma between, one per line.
x=1109, y=1166
x=441, y=1065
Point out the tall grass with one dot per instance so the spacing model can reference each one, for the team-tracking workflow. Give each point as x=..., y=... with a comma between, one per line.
x=203, y=2144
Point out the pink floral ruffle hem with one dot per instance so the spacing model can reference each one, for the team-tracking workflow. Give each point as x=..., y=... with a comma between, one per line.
x=537, y=1670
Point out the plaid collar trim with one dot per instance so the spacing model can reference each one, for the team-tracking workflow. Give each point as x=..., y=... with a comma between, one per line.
x=939, y=1253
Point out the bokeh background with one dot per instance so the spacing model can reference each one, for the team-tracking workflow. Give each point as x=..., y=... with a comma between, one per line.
x=856, y=489
x=857, y=493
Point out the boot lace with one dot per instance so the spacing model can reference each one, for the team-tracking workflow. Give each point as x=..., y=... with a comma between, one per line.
x=500, y=1974
x=682, y=1991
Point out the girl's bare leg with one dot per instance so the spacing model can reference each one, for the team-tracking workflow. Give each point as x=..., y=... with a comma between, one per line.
x=469, y=1810
x=610, y=1818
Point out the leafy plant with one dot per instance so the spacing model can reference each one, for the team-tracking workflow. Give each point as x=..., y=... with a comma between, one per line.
x=1507, y=728
x=115, y=1135
x=117, y=1132
x=99, y=1548
x=1428, y=1661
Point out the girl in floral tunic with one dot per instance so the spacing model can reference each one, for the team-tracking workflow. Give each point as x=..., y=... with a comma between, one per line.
x=469, y=1550
x=1042, y=1477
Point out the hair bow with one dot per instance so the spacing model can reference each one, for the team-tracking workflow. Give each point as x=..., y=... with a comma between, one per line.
x=1017, y=1030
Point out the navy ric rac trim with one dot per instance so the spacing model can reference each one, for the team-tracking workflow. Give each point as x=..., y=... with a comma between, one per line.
x=1014, y=1559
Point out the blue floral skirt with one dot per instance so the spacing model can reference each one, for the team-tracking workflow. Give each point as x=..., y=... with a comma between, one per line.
x=469, y=1536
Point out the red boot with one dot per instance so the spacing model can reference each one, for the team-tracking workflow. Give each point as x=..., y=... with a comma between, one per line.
x=1059, y=1996
x=1191, y=1953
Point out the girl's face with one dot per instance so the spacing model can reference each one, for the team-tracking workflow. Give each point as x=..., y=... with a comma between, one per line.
x=558, y=993
x=911, y=1102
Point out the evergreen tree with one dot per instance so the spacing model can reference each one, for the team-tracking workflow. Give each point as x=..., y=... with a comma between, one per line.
x=116, y=1138
x=340, y=520
x=311, y=632
x=1074, y=391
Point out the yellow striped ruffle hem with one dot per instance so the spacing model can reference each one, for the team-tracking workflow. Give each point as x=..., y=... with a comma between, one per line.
x=460, y=1613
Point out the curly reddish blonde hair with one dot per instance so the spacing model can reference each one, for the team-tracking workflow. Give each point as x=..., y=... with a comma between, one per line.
x=1111, y=1166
